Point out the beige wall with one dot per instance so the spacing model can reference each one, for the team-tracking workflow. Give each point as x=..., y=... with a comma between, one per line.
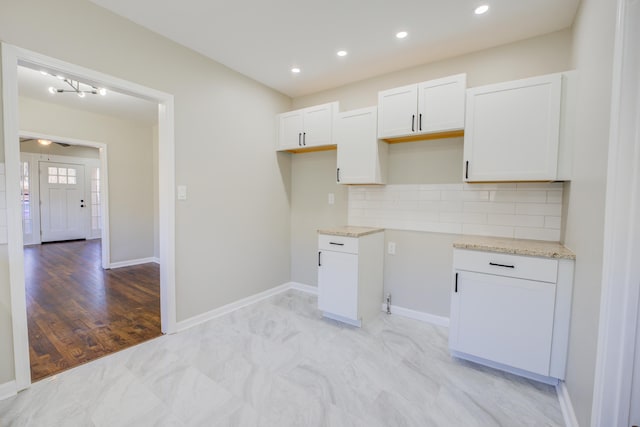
x=418, y=276
x=232, y=234
x=594, y=30
x=130, y=156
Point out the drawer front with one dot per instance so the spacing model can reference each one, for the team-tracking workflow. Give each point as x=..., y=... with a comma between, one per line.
x=523, y=267
x=338, y=243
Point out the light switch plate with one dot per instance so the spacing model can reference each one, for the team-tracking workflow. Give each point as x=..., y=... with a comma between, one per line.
x=182, y=192
x=332, y=198
x=391, y=248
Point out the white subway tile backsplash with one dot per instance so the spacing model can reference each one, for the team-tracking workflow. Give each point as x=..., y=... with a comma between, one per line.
x=552, y=222
x=465, y=195
x=554, y=196
x=537, y=233
x=516, y=220
x=489, y=207
x=429, y=195
x=539, y=209
x=527, y=210
x=524, y=196
x=487, y=230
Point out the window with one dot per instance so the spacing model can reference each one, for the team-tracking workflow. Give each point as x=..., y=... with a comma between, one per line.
x=27, y=218
x=96, y=219
x=62, y=175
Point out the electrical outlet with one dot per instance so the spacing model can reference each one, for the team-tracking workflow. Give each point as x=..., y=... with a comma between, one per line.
x=391, y=248
x=332, y=198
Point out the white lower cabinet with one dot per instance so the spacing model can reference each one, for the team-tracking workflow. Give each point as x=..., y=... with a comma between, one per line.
x=350, y=276
x=512, y=311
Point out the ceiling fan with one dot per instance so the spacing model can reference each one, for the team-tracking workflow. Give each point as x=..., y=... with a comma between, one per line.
x=45, y=142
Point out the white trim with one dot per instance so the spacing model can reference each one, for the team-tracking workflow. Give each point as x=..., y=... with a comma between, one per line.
x=313, y=290
x=13, y=56
x=417, y=315
x=506, y=368
x=620, y=270
x=569, y=415
x=8, y=390
x=131, y=262
x=228, y=308
x=156, y=259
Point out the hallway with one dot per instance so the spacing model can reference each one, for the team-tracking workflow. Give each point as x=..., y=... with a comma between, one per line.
x=78, y=312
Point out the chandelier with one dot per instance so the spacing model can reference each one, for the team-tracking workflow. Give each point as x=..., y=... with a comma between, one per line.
x=77, y=87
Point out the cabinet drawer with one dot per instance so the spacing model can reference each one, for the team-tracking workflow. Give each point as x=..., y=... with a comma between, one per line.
x=523, y=267
x=338, y=243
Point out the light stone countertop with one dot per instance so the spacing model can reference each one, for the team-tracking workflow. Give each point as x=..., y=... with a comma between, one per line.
x=349, y=231
x=537, y=248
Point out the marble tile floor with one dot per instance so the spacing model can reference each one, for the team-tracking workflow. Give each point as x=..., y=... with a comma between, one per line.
x=278, y=363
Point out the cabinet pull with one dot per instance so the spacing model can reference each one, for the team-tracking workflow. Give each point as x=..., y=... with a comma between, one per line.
x=304, y=138
x=337, y=244
x=338, y=174
x=420, y=121
x=466, y=170
x=456, y=289
x=502, y=265
x=299, y=139
x=413, y=121
x=319, y=260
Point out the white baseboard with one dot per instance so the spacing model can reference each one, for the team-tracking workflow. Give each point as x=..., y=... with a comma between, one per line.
x=226, y=309
x=156, y=259
x=418, y=315
x=131, y=262
x=303, y=288
x=8, y=390
x=569, y=415
x=506, y=368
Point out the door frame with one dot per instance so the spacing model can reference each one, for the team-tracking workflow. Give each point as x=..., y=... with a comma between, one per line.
x=104, y=185
x=13, y=56
x=619, y=305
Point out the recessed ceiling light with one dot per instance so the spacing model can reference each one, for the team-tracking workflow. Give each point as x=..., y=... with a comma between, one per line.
x=52, y=90
x=481, y=9
x=44, y=73
x=402, y=34
x=295, y=70
x=102, y=91
x=342, y=53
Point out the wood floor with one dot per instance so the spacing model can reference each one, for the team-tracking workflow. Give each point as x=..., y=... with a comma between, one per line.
x=78, y=312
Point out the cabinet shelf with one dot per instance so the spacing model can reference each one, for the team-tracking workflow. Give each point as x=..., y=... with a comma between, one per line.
x=425, y=137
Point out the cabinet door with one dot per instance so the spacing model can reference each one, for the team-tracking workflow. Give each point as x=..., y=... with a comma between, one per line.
x=290, y=130
x=338, y=284
x=441, y=104
x=359, y=157
x=506, y=320
x=512, y=130
x=397, y=111
x=318, y=126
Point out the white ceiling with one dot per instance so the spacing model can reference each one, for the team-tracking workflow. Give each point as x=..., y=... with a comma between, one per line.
x=33, y=84
x=264, y=39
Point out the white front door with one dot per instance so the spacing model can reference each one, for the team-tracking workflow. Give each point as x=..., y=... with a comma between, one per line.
x=62, y=202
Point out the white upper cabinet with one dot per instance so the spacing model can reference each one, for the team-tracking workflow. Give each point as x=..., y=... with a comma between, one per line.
x=307, y=128
x=512, y=131
x=361, y=156
x=430, y=107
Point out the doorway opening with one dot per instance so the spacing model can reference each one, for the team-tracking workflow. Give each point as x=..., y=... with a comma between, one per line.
x=12, y=57
x=78, y=309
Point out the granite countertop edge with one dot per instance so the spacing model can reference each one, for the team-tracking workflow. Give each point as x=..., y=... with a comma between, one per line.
x=349, y=231
x=536, y=248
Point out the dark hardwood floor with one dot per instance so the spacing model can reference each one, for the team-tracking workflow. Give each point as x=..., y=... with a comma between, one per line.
x=78, y=312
